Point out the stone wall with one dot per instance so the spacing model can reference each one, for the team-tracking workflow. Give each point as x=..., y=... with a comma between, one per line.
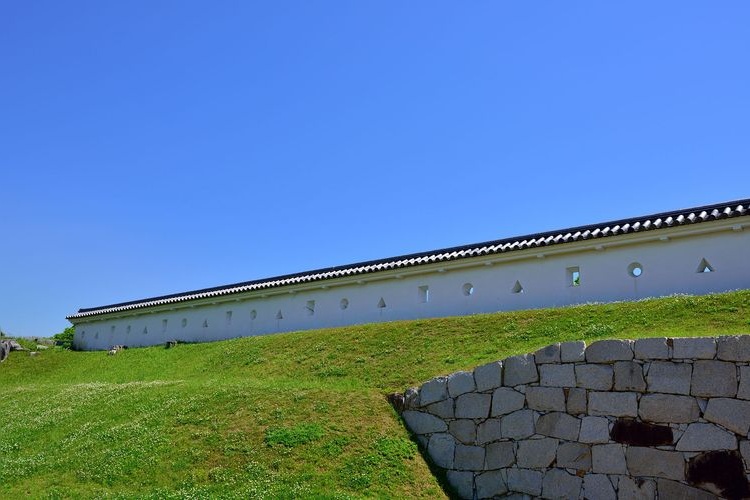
x=650, y=418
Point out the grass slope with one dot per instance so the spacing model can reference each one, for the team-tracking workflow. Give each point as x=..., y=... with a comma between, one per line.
x=279, y=416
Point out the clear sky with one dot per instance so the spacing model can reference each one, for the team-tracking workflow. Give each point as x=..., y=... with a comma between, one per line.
x=152, y=147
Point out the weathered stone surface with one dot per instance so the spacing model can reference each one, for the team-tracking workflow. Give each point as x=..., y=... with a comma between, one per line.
x=598, y=487
x=489, y=376
x=473, y=405
x=597, y=377
x=506, y=400
x=489, y=430
x=734, y=348
x=745, y=452
x=462, y=483
x=714, y=379
x=441, y=449
x=594, y=430
x=722, y=471
x=670, y=378
x=694, y=348
x=433, y=391
x=643, y=461
x=576, y=401
x=460, y=383
x=729, y=413
x=468, y=457
x=606, y=351
x=656, y=348
x=518, y=425
x=673, y=489
x=490, y=484
x=559, y=484
x=442, y=409
x=574, y=456
x=573, y=352
x=668, y=408
x=411, y=399
x=500, y=454
x=608, y=459
x=636, y=433
x=519, y=370
x=629, y=376
x=559, y=425
x=535, y=453
x=617, y=404
x=464, y=430
x=525, y=481
x=705, y=437
x=545, y=398
x=423, y=423
x=636, y=489
x=557, y=375
x=744, y=390
x=549, y=354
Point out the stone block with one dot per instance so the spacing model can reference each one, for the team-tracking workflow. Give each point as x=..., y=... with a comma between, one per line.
x=573, y=352
x=559, y=425
x=499, y=455
x=694, y=348
x=670, y=378
x=442, y=409
x=518, y=425
x=745, y=452
x=525, y=481
x=598, y=487
x=733, y=348
x=706, y=437
x=596, y=377
x=607, y=351
x=468, y=457
x=411, y=399
x=617, y=404
x=460, y=383
x=464, y=430
x=744, y=390
x=462, y=483
x=506, y=400
x=594, y=430
x=629, y=376
x=441, y=449
x=714, y=379
x=489, y=430
x=473, y=405
x=643, y=461
x=433, y=391
x=545, y=398
x=608, y=459
x=536, y=453
x=489, y=376
x=519, y=370
x=574, y=456
x=557, y=375
x=655, y=348
x=548, y=354
x=732, y=414
x=423, y=423
x=629, y=488
x=672, y=489
x=491, y=484
x=576, y=401
x=668, y=408
x=559, y=484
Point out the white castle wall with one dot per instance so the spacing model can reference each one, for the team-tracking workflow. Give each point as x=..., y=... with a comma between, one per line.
x=669, y=260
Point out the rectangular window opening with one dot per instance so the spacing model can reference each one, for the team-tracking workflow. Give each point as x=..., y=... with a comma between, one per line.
x=574, y=276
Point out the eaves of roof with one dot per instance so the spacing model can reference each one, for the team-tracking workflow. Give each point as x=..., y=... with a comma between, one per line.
x=653, y=222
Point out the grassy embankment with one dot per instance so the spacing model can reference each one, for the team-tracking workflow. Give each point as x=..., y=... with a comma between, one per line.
x=289, y=415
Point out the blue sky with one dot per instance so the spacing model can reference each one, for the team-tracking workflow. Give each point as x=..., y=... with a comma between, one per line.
x=156, y=147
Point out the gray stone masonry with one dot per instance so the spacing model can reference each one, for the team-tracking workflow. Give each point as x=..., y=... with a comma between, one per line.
x=672, y=489
x=618, y=404
x=506, y=400
x=491, y=484
x=608, y=459
x=576, y=401
x=488, y=376
x=669, y=378
x=594, y=430
x=463, y=430
x=559, y=484
x=714, y=379
x=525, y=481
x=706, y=437
x=572, y=352
x=518, y=425
x=559, y=425
x=549, y=354
x=629, y=376
x=655, y=463
x=473, y=405
x=694, y=348
x=734, y=348
x=442, y=409
x=668, y=408
x=441, y=448
x=433, y=391
x=545, y=398
x=469, y=457
x=656, y=348
x=636, y=489
x=597, y=377
x=557, y=375
x=607, y=351
x=729, y=413
x=500, y=454
x=519, y=370
x=490, y=430
x=536, y=453
x=462, y=482
x=460, y=383
x=744, y=390
x=423, y=423
x=574, y=456
x=745, y=452
x=599, y=487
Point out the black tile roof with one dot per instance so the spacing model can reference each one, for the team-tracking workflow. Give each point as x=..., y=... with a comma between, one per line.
x=738, y=208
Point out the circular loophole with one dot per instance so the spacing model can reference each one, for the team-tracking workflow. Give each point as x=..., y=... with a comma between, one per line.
x=468, y=289
x=635, y=269
x=253, y=314
x=344, y=304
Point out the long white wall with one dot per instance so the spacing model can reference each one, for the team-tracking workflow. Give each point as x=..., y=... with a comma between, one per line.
x=669, y=261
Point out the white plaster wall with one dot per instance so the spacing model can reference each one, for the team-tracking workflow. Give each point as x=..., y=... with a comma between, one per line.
x=668, y=267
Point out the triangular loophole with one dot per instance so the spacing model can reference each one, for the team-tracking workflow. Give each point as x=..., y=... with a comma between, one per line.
x=381, y=303
x=517, y=288
x=279, y=315
x=705, y=267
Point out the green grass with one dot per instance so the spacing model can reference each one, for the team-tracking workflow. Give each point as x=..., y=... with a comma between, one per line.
x=281, y=416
